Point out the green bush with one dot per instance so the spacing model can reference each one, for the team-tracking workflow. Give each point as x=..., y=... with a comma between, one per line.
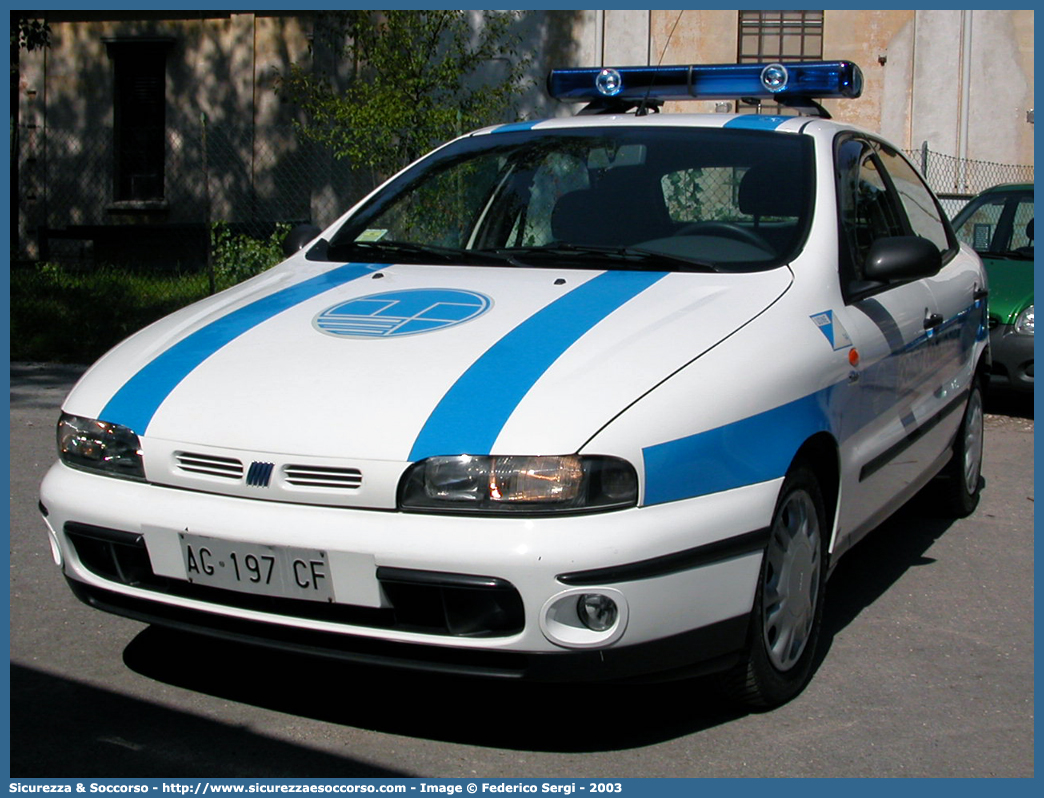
x=237, y=257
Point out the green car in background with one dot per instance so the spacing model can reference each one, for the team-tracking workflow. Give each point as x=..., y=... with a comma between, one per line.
x=998, y=224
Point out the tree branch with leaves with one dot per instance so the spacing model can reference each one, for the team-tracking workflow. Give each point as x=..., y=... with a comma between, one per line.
x=417, y=78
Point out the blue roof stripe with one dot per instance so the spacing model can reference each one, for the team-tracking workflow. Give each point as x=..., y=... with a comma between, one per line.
x=757, y=121
x=471, y=415
x=513, y=126
x=137, y=401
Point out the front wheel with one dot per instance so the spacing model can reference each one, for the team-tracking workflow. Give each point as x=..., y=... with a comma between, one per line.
x=961, y=480
x=788, y=606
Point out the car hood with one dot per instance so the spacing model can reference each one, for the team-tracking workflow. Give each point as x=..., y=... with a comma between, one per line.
x=1011, y=287
x=403, y=362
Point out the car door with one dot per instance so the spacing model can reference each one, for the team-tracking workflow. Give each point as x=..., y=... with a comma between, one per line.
x=958, y=289
x=887, y=406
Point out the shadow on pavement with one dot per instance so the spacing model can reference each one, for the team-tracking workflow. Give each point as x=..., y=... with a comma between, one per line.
x=501, y=714
x=42, y=385
x=1009, y=403
x=61, y=728
x=472, y=711
x=878, y=561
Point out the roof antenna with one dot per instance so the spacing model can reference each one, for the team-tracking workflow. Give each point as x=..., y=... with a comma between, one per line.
x=644, y=105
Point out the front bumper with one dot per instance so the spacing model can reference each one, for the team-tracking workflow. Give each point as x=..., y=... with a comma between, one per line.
x=1012, y=355
x=488, y=596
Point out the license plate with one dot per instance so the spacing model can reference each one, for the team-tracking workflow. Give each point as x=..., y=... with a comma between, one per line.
x=281, y=571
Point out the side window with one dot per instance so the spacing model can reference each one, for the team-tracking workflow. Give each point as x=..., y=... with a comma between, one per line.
x=1022, y=229
x=1002, y=223
x=922, y=211
x=978, y=229
x=868, y=210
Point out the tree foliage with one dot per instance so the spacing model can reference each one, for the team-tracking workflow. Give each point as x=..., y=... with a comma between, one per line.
x=417, y=78
x=27, y=34
x=33, y=34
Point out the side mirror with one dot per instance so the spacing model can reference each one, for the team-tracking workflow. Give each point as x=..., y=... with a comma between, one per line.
x=902, y=258
x=299, y=236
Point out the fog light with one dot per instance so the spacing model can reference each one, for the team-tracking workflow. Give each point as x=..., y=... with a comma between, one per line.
x=597, y=612
x=583, y=618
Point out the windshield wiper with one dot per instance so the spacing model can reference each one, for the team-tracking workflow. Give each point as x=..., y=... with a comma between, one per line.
x=393, y=251
x=634, y=257
x=1010, y=254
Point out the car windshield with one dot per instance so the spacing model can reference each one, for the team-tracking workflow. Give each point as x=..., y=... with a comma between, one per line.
x=998, y=224
x=668, y=199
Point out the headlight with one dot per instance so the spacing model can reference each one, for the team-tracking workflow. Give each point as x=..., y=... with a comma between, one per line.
x=1024, y=323
x=519, y=484
x=98, y=446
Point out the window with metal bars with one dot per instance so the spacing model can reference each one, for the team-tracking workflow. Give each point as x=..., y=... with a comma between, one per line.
x=766, y=36
x=139, y=118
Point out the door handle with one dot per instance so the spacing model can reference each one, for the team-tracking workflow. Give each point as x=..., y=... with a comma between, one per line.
x=933, y=320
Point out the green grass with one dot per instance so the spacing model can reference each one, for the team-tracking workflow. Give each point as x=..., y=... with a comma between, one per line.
x=65, y=315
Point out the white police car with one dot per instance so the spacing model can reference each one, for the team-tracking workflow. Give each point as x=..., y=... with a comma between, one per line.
x=578, y=399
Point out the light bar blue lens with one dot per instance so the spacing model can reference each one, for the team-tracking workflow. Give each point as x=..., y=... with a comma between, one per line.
x=608, y=82
x=775, y=77
x=815, y=79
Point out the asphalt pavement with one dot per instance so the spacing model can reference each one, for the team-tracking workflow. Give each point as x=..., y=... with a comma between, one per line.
x=928, y=670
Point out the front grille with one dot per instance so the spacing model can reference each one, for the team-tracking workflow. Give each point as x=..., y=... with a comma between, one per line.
x=421, y=601
x=303, y=476
x=112, y=554
x=209, y=465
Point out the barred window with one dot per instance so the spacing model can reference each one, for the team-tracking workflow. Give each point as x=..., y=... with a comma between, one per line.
x=778, y=36
x=139, y=113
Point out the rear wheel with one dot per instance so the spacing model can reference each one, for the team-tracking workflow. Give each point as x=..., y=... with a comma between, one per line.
x=788, y=606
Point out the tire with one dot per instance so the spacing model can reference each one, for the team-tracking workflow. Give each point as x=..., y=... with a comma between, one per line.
x=960, y=481
x=788, y=606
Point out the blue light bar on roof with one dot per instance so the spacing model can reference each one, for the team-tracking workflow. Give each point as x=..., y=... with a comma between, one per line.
x=780, y=81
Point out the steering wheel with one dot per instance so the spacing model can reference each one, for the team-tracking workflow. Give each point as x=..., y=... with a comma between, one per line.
x=726, y=230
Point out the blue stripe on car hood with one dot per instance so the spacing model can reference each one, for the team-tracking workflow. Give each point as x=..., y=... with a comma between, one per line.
x=471, y=415
x=137, y=401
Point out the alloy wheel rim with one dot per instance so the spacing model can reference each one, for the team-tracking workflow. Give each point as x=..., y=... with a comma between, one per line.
x=973, y=436
x=791, y=586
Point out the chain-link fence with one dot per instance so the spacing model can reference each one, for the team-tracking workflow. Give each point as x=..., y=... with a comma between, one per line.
x=87, y=262
x=251, y=179
x=957, y=180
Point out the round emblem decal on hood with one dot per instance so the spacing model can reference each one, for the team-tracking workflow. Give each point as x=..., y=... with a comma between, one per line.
x=399, y=313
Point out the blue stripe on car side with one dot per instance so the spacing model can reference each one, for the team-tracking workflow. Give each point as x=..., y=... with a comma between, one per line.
x=471, y=415
x=757, y=121
x=137, y=401
x=745, y=452
x=762, y=447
